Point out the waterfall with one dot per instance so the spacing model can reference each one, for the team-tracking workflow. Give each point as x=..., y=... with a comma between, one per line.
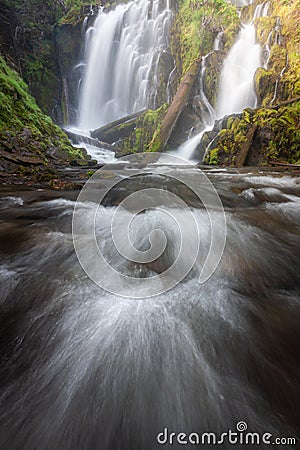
x=237, y=91
x=218, y=44
x=121, y=56
x=237, y=84
x=236, y=87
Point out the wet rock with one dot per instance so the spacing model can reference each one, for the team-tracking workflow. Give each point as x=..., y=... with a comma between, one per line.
x=68, y=42
x=214, y=64
x=166, y=65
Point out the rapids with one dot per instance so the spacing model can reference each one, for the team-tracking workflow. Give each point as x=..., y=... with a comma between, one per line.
x=82, y=369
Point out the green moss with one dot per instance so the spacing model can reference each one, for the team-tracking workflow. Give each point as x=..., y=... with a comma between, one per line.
x=213, y=157
x=195, y=28
x=23, y=126
x=75, y=11
x=284, y=126
x=280, y=30
x=277, y=136
x=141, y=138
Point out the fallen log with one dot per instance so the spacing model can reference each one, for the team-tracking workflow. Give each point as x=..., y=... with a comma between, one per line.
x=276, y=163
x=117, y=129
x=79, y=139
x=285, y=103
x=242, y=156
x=161, y=138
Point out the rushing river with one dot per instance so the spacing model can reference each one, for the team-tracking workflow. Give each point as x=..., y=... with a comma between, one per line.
x=82, y=369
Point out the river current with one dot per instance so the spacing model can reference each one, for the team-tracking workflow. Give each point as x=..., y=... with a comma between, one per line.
x=82, y=369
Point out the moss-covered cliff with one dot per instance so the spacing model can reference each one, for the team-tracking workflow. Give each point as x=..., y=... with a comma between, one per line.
x=26, y=38
x=279, y=35
x=195, y=27
x=41, y=38
x=30, y=142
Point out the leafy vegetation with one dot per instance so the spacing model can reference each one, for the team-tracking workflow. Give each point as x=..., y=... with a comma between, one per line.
x=74, y=11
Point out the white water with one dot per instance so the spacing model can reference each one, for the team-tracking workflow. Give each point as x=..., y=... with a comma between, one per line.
x=237, y=79
x=122, y=52
x=218, y=44
x=82, y=369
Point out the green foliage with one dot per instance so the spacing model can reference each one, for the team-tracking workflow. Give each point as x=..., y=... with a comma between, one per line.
x=74, y=13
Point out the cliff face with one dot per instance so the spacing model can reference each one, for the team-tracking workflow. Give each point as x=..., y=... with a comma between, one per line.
x=32, y=147
x=42, y=40
x=279, y=35
x=26, y=40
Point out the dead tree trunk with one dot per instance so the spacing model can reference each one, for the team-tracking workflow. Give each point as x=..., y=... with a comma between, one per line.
x=160, y=139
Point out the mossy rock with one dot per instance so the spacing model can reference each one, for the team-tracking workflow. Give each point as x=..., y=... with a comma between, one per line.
x=276, y=137
x=280, y=32
x=264, y=85
x=165, y=66
x=214, y=64
x=195, y=27
x=25, y=131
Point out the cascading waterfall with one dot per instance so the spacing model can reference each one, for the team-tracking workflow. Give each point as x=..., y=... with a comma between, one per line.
x=218, y=44
x=237, y=85
x=236, y=89
x=122, y=52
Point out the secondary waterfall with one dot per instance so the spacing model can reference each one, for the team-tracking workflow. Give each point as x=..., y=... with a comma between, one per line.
x=122, y=52
x=236, y=87
x=236, y=90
